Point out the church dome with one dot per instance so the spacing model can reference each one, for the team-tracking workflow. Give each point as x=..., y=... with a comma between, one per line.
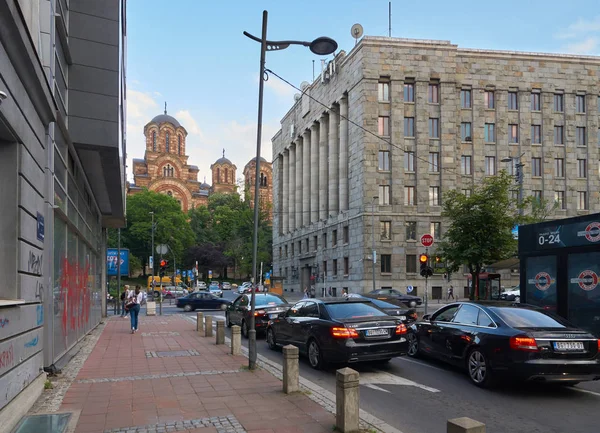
x=223, y=160
x=165, y=118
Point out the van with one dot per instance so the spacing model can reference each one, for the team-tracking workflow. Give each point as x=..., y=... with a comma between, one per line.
x=166, y=281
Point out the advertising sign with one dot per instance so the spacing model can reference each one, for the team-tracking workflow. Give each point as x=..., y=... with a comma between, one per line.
x=584, y=290
x=111, y=262
x=541, y=281
x=568, y=235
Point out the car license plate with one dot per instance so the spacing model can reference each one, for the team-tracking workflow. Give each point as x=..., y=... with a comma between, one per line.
x=376, y=332
x=272, y=316
x=568, y=346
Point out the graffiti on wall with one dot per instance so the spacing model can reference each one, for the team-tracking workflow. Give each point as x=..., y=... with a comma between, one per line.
x=34, y=263
x=32, y=343
x=4, y=322
x=74, y=296
x=7, y=357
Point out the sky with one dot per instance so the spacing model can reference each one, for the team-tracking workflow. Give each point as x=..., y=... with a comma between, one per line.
x=193, y=55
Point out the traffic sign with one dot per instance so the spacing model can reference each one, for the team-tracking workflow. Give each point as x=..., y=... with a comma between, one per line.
x=427, y=240
x=409, y=289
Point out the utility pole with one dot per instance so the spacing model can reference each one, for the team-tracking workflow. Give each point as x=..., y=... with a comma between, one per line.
x=373, y=253
x=152, y=252
x=117, y=304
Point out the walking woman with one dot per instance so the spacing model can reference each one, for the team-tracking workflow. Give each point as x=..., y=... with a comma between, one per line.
x=134, y=307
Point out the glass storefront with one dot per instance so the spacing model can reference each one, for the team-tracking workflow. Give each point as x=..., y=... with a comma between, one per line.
x=584, y=290
x=541, y=281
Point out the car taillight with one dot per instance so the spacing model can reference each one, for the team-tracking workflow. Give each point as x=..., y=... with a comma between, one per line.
x=344, y=333
x=527, y=344
x=259, y=313
x=598, y=346
x=401, y=329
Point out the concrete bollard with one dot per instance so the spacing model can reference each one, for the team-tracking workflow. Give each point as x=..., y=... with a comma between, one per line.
x=236, y=340
x=464, y=425
x=208, y=326
x=200, y=323
x=220, y=332
x=346, y=400
x=291, y=373
x=150, y=308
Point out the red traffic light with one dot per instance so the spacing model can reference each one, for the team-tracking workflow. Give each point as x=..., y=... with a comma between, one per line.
x=423, y=258
x=163, y=263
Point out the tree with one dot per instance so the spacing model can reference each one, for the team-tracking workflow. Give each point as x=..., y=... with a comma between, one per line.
x=480, y=225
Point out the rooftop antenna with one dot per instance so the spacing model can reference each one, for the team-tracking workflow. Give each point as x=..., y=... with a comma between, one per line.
x=390, y=19
x=165, y=107
x=356, y=31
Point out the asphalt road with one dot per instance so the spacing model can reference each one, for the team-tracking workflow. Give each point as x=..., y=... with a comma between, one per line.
x=419, y=396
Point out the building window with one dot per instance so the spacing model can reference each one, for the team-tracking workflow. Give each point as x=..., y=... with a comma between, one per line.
x=536, y=101
x=409, y=161
x=513, y=133
x=324, y=240
x=316, y=242
x=513, y=101
x=490, y=133
x=409, y=92
x=559, y=167
x=179, y=144
x=346, y=234
x=433, y=93
x=280, y=252
x=580, y=137
x=411, y=230
x=167, y=142
x=465, y=165
x=434, y=127
x=409, y=126
x=465, y=98
x=286, y=251
x=536, y=167
x=324, y=268
x=582, y=168
x=384, y=126
x=559, y=134
x=334, y=238
x=559, y=199
x=385, y=227
x=168, y=171
x=434, y=196
x=582, y=200
x=434, y=162
x=386, y=263
x=435, y=229
x=536, y=134
x=537, y=196
x=598, y=136
x=465, y=131
x=409, y=195
x=580, y=104
x=383, y=90
x=346, y=266
x=384, y=160
x=307, y=245
x=334, y=267
x=490, y=102
x=490, y=165
x=299, y=247
x=559, y=102
x=384, y=195
x=153, y=141
x=411, y=264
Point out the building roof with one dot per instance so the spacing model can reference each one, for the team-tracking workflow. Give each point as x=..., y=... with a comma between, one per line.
x=193, y=167
x=139, y=160
x=165, y=118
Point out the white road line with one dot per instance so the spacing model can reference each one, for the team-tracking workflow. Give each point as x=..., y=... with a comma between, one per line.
x=384, y=378
x=377, y=388
x=405, y=359
x=597, y=394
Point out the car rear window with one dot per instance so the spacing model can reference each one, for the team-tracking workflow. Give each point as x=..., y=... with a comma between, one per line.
x=383, y=304
x=524, y=318
x=349, y=310
x=269, y=300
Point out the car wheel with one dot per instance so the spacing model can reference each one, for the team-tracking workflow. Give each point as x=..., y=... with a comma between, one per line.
x=187, y=308
x=413, y=345
x=478, y=368
x=315, y=356
x=271, y=339
x=227, y=321
x=244, y=329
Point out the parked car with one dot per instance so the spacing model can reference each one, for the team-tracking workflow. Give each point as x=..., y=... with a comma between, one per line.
x=215, y=289
x=201, y=285
x=395, y=297
x=201, y=300
x=339, y=330
x=171, y=292
x=511, y=294
x=267, y=306
x=407, y=315
x=226, y=286
x=244, y=288
x=494, y=341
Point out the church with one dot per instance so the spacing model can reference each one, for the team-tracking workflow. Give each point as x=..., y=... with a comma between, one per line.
x=165, y=169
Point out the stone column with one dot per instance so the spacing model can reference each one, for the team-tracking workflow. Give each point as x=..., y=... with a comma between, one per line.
x=323, y=169
x=298, y=183
x=344, y=200
x=334, y=162
x=291, y=370
x=208, y=328
x=284, y=196
x=200, y=323
x=291, y=194
x=464, y=425
x=346, y=400
x=236, y=340
x=220, y=339
x=306, y=173
x=314, y=173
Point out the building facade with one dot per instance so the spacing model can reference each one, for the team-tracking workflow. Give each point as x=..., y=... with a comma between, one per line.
x=406, y=121
x=223, y=176
x=265, y=185
x=62, y=149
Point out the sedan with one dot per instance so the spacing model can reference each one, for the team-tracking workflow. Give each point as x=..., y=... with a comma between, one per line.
x=267, y=306
x=226, y=285
x=339, y=330
x=201, y=285
x=201, y=300
x=405, y=314
x=171, y=292
x=215, y=291
x=395, y=297
x=497, y=340
x=511, y=295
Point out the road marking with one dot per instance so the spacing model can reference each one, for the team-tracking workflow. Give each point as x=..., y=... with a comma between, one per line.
x=405, y=359
x=384, y=378
x=377, y=388
x=597, y=394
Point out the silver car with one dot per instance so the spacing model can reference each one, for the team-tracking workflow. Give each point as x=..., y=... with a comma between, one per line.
x=215, y=290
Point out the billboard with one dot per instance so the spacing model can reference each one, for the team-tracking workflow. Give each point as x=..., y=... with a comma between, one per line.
x=541, y=281
x=584, y=290
x=111, y=262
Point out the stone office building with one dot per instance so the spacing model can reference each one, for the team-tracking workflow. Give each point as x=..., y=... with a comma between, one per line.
x=404, y=121
x=62, y=173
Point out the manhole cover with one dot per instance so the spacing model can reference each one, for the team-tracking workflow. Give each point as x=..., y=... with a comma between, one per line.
x=50, y=423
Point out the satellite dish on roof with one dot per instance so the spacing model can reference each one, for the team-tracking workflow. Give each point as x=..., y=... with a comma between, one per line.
x=356, y=31
x=296, y=96
x=304, y=85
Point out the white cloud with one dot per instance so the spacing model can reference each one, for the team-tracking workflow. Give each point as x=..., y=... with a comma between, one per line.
x=584, y=35
x=188, y=122
x=585, y=26
x=586, y=46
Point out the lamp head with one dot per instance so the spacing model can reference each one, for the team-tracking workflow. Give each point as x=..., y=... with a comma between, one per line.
x=323, y=46
x=509, y=159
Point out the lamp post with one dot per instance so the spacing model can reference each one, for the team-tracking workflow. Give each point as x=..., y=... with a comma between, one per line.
x=320, y=46
x=152, y=253
x=519, y=178
x=373, y=254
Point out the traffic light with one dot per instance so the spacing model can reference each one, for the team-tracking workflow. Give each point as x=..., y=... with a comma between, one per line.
x=438, y=259
x=163, y=267
x=426, y=270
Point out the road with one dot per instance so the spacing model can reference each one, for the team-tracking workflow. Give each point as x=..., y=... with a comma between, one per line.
x=418, y=396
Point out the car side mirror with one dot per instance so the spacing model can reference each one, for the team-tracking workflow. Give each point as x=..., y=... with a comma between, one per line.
x=427, y=317
x=282, y=314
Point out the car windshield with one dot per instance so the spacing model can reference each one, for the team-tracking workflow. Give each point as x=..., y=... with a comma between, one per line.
x=349, y=310
x=524, y=318
x=266, y=300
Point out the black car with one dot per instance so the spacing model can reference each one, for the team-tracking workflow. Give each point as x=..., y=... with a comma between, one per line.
x=267, y=306
x=512, y=341
x=339, y=330
x=395, y=297
x=407, y=315
x=201, y=300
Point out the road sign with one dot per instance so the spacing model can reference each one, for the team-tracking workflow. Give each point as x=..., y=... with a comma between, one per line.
x=409, y=289
x=151, y=262
x=427, y=240
x=209, y=274
x=162, y=249
x=184, y=274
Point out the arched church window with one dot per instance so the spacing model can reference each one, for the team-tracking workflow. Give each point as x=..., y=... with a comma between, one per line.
x=179, y=144
x=218, y=175
x=168, y=171
x=263, y=180
x=153, y=141
x=167, y=142
x=226, y=175
x=170, y=193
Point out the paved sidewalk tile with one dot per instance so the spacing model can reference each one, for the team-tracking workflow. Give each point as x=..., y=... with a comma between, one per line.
x=192, y=385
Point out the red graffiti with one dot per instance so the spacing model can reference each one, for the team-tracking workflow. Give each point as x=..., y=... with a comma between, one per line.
x=74, y=295
x=6, y=358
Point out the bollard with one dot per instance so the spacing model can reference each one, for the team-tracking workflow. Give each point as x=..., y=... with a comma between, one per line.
x=220, y=332
x=200, y=323
x=291, y=375
x=236, y=340
x=150, y=308
x=464, y=425
x=346, y=400
x=208, y=326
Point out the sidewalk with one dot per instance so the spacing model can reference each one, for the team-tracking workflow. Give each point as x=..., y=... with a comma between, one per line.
x=167, y=378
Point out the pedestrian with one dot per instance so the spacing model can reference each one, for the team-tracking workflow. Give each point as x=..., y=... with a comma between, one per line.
x=124, y=298
x=450, y=293
x=305, y=293
x=134, y=303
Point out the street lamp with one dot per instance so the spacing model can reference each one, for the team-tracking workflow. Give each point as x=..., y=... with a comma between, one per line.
x=321, y=46
x=152, y=253
x=519, y=178
x=373, y=238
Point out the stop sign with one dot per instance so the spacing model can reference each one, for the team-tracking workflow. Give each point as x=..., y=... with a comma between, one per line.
x=427, y=240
